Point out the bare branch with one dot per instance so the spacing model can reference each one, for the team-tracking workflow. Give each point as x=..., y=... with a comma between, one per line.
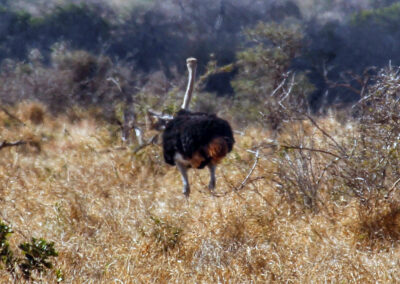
x=285, y=76
x=325, y=133
x=241, y=133
x=115, y=82
x=392, y=188
x=311, y=150
x=345, y=85
x=139, y=134
x=287, y=92
x=151, y=141
x=270, y=145
x=244, y=182
x=223, y=69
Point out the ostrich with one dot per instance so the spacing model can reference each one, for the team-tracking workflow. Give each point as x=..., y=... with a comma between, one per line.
x=195, y=139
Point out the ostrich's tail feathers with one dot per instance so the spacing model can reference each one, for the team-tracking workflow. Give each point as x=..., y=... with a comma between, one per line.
x=217, y=149
x=213, y=153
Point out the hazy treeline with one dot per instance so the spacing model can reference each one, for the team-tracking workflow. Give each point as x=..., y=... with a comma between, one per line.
x=340, y=38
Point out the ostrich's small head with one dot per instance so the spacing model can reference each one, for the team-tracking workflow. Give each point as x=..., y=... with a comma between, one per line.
x=191, y=63
x=157, y=121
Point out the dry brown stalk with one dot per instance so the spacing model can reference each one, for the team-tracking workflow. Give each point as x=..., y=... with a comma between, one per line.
x=5, y=144
x=12, y=116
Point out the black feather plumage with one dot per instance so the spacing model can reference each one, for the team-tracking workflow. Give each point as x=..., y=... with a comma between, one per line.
x=189, y=132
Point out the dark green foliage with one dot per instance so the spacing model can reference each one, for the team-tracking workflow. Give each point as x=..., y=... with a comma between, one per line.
x=263, y=77
x=161, y=34
x=283, y=9
x=81, y=25
x=386, y=18
x=159, y=37
x=339, y=51
x=375, y=35
x=262, y=65
x=4, y=3
x=15, y=31
x=153, y=37
x=37, y=254
x=6, y=255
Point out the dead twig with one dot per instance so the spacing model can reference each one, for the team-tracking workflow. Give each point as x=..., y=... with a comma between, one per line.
x=285, y=76
x=325, y=133
x=245, y=181
x=12, y=116
x=151, y=141
x=392, y=188
x=5, y=144
x=256, y=159
x=270, y=145
x=287, y=93
x=311, y=150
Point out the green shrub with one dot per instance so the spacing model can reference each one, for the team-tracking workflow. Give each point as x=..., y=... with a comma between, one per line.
x=264, y=76
x=6, y=255
x=38, y=255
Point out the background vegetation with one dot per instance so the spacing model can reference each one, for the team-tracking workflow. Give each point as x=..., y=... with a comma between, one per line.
x=309, y=193
x=339, y=39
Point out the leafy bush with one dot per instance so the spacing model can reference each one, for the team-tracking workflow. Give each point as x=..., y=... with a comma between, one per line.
x=6, y=255
x=37, y=255
x=340, y=51
x=81, y=25
x=15, y=32
x=264, y=76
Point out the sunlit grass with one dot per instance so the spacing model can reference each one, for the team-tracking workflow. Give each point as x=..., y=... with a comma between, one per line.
x=115, y=216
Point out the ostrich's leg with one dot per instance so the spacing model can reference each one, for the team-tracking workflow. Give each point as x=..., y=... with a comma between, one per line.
x=183, y=170
x=211, y=185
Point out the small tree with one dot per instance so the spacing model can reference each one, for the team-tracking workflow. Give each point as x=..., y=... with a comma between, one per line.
x=264, y=79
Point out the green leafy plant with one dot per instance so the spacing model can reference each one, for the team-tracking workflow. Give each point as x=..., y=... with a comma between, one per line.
x=37, y=254
x=6, y=255
x=264, y=77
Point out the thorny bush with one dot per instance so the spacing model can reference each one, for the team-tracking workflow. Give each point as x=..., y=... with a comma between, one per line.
x=361, y=162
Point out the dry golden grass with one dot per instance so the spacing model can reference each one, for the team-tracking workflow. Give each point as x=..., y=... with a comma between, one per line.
x=116, y=217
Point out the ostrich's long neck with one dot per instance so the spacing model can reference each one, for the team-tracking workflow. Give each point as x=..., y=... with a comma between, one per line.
x=190, y=86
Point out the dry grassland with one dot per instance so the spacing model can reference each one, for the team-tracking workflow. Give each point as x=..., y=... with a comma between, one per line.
x=116, y=217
